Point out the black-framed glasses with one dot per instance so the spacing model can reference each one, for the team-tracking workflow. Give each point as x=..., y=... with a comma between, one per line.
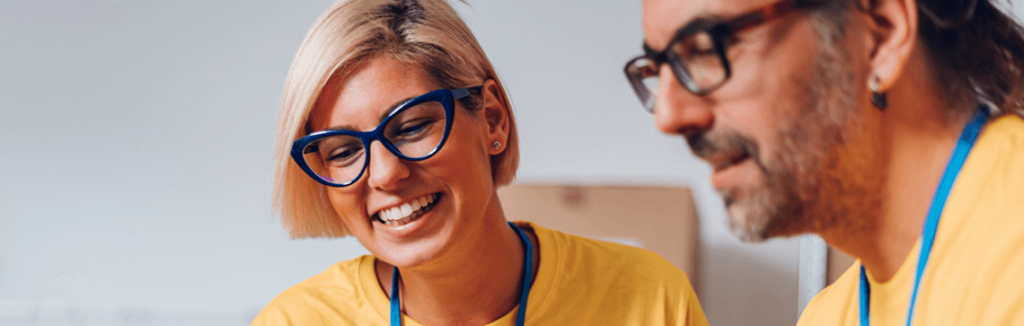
x=697, y=53
x=414, y=131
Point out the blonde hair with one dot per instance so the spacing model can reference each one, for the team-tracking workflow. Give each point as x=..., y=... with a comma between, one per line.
x=425, y=33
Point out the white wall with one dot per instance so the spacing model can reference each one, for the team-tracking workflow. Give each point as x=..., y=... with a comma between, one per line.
x=135, y=155
x=136, y=160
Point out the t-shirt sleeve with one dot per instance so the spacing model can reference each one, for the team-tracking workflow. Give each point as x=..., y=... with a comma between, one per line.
x=272, y=316
x=287, y=309
x=1005, y=303
x=690, y=312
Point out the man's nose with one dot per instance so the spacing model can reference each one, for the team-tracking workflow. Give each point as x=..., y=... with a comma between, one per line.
x=676, y=109
x=386, y=171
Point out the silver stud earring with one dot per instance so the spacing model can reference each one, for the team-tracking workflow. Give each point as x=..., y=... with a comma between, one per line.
x=877, y=98
x=496, y=145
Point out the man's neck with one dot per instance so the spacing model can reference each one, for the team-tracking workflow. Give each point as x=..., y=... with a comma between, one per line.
x=916, y=167
x=475, y=286
x=919, y=138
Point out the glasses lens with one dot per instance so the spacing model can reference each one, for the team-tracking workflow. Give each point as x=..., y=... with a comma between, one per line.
x=697, y=63
x=643, y=76
x=336, y=159
x=417, y=131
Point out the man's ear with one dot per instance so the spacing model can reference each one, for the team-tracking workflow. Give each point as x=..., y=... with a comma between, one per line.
x=496, y=114
x=892, y=25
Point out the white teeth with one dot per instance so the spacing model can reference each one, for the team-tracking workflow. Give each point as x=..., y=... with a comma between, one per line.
x=406, y=212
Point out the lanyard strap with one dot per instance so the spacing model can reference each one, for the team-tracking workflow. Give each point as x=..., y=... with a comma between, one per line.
x=396, y=306
x=931, y=222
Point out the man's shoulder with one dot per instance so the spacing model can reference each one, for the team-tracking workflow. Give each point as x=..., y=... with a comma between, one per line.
x=1009, y=123
x=985, y=210
x=832, y=305
x=999, y=149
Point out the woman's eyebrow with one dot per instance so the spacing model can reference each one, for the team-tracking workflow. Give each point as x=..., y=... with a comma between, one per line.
x=394, y=107
x=382, y=116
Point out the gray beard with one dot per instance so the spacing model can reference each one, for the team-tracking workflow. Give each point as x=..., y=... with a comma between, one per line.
x=819, y=179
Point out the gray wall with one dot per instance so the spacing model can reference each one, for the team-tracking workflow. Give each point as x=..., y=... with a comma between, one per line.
x=135, y=155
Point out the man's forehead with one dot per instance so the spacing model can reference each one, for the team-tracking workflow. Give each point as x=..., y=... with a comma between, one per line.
x=662, y=18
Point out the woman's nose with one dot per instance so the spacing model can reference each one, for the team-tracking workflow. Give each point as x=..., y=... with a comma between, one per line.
x=676, y=109
x=386, y=171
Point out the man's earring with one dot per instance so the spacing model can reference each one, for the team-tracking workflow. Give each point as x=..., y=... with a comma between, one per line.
x=496, y=145
x=877, y=98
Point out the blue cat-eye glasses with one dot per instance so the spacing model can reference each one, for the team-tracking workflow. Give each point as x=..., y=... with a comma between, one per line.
x=413, y=131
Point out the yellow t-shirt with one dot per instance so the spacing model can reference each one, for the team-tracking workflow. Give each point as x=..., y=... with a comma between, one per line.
x=975, y=275
x=579, y=282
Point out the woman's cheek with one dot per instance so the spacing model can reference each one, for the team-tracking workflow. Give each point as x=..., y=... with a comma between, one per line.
x=348, y=207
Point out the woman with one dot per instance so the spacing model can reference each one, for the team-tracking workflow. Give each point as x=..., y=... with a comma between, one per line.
x=395, y=129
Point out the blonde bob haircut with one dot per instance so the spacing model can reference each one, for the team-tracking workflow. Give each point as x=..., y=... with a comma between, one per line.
x=422, y=33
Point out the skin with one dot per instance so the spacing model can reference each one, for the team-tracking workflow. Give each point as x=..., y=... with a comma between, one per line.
x=461, y=264
x=822, y=159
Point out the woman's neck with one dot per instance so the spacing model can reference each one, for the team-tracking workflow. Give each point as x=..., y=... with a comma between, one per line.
x=473, y=287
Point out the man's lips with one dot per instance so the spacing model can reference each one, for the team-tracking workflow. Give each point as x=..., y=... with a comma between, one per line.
x=723, y=160
x=731, y=171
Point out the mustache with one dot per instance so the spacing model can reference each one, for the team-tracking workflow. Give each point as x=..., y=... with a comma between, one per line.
x=705, y=144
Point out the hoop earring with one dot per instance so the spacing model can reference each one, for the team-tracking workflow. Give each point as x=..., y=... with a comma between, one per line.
x=496, y=145
x=877, y=98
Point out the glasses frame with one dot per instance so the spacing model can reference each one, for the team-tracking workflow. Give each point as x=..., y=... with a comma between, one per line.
x=444, y=96
x=720, y=32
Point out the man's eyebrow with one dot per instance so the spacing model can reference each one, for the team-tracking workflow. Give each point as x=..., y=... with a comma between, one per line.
x=382, y=116
x=695, y=25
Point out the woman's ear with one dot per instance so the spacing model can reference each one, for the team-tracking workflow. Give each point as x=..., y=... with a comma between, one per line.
x=892, y=25
x=496, y=115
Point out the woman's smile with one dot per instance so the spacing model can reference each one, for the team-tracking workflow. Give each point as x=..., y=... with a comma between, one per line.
x=401, y=214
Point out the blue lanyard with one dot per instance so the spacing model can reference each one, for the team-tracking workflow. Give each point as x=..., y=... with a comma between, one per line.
x=931, y=223
x=396, y=306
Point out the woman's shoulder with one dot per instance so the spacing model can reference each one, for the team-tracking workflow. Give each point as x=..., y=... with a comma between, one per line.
x=590, y=281
x=340, y=277
x=317, y=299
x=580, y=254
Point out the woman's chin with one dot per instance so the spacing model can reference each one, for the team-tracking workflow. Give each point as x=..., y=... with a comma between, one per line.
x=410, y=255
x=414, y=242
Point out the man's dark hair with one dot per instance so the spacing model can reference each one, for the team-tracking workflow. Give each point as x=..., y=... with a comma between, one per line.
x=975, y=49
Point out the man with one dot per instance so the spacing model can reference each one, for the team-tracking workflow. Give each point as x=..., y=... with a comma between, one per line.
x=859, y=121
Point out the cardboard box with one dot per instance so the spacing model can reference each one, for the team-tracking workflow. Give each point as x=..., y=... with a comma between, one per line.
x=660, y=219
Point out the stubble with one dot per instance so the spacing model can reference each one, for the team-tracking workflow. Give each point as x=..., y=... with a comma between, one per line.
x=823, y=175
